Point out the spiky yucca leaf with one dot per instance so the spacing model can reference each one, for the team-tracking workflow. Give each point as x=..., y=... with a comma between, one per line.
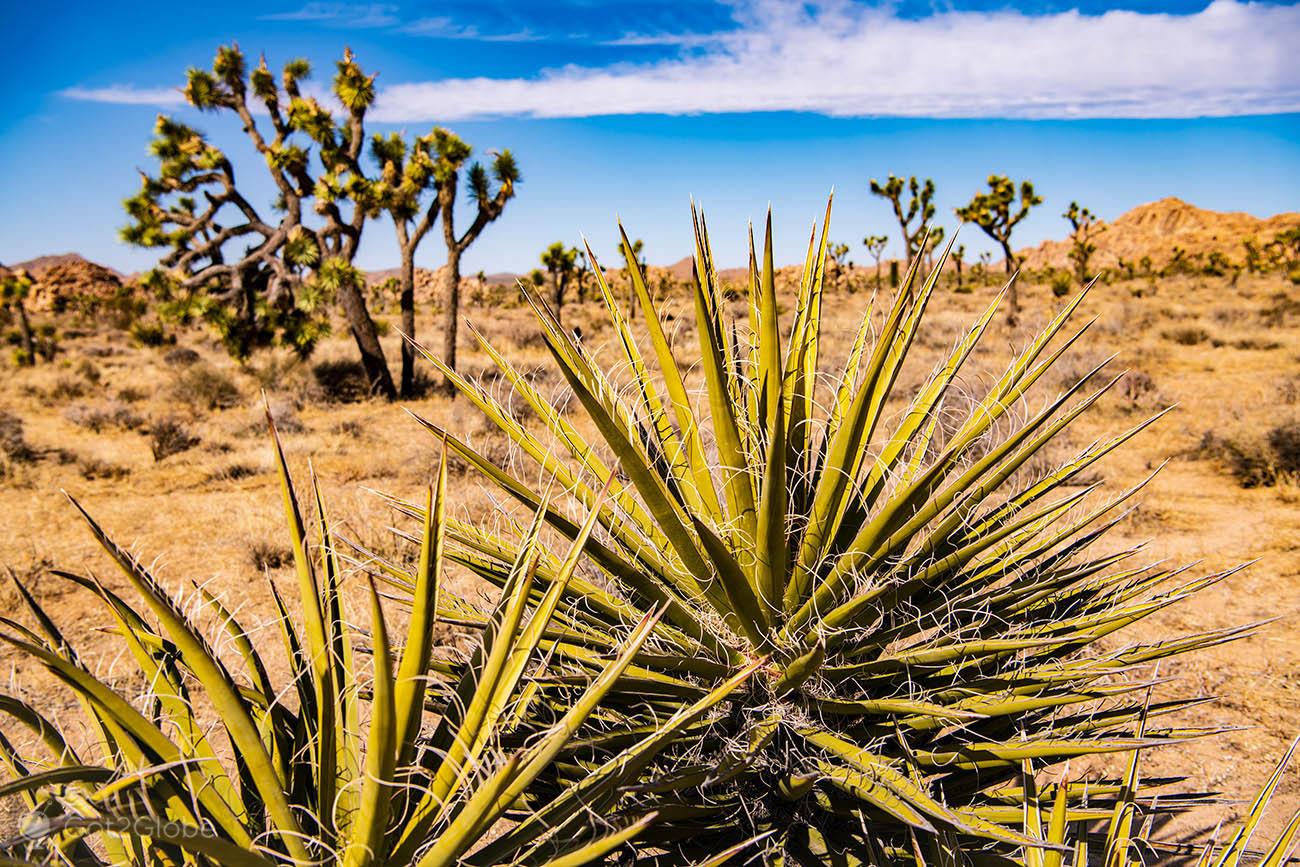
x=927, y=613
x=225, y=765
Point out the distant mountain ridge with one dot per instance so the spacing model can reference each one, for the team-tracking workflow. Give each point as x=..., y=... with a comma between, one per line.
x=41, y=264
x=1154, y=229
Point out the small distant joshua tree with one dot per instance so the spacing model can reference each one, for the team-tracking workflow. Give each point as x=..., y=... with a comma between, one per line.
x=932, y=242
x=581, y=271
x=1084, y=227
x=875, y=245
x=490, y=203
x=406, y=176
x=958, y=259
x=998, y=212
x=837, y=264
x=635, y=254
x=15, y=287
x=560, y=263
x=432, y=164
x=920, y=203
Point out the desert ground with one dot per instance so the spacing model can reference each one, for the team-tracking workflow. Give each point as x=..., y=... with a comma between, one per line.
x=1225, y=353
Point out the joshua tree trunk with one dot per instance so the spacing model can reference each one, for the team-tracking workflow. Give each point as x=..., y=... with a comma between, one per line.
x=451, y=286
x=407, y=304
x=957, y=262
x=25, y=331
x=367, y=337
x=1013, y=296
x=557, y=295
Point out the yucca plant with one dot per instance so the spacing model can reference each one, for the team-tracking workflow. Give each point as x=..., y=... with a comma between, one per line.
x=227, y=765
x=928, y=615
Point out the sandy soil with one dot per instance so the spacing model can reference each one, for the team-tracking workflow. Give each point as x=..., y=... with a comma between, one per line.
x=1228, y=355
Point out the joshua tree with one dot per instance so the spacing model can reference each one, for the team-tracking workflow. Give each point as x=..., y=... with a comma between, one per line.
x=875, y=245
x=407, y=175
x=629, y=257
x=837, y=264
x=264, y=275
x=992, y=212
x=920, y=202
x=958, y=258
x=15, y=286
x=932, y=242
x=1285, y=248
x=559, y=262
x=1084, y=227
x=581, y=271
x=452, y=153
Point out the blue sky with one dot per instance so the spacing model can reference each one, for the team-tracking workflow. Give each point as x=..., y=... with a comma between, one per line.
x=631, y=108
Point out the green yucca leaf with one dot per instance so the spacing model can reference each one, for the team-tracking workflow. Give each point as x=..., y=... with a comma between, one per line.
x=163, y=791
x=920, y=594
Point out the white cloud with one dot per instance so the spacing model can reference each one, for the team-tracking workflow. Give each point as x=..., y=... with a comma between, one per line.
x=839, y=59
x=842, y=59
x=356, y=16
x=125, y=94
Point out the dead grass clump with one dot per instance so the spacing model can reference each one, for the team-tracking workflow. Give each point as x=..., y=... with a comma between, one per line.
x=284, y=412
x=99, y=351
x=1255, y=344
x=342, y=380
x=68, y=388
x=168, y=436
x=352, y=427
x=1282, y=308
x=128, y=394
x=234, y=472
x=1288, y=390
x=1187, y=335
x=92, y=468
x=181, y=356
x=1082, y=367
x=106, y=416
x=1137, y=388
x=13, y=445
x=266, y=556
x=88, y=371
x=203, y=386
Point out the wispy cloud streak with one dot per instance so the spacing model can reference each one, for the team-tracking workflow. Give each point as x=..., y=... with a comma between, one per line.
x=125, y=94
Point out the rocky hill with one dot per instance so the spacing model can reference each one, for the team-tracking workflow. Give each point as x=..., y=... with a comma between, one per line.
x=1154, y=229
x=62, y=279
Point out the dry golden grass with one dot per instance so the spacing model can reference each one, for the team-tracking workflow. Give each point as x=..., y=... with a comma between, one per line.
x=1228, y=355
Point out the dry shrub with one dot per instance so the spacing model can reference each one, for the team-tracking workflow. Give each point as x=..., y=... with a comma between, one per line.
x=98, y=418
x=1258, y=462
x=203, y=386
x=181, y=356
x=68, y=388
x=1137, y=388
x=1288, y=390
x=95, y=468
x=234, y=472
x=267, y=555
x=12, y=442
x=1188, y=335
x=168, y=436
x=354, y=428
x=1255, y=343
x=342, y=380
x=284, y=412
